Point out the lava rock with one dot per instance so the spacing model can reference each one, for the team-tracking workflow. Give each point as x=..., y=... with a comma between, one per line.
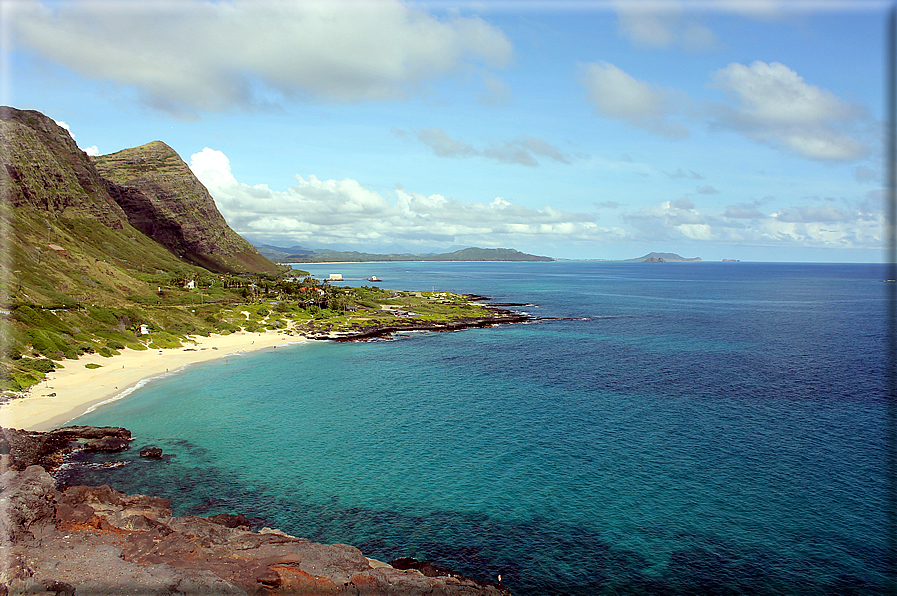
x=108, y=444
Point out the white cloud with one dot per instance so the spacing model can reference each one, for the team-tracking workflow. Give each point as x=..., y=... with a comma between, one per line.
x=190, y=55
x=93, y=150
x=327, y=212
x=857, y=225
x=522, y=150
x=616, y=94
x=775, y=105
x=343, y=211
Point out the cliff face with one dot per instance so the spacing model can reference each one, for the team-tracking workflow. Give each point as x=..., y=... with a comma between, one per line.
x=44, y=170
x=43, y=173
x=163, y=199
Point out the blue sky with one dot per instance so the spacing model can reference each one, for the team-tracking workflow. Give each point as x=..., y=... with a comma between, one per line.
x=599, y=130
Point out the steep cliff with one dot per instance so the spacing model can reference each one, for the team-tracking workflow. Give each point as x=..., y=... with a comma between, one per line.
x=49, y=183
x=45, y=171
x=162, y=198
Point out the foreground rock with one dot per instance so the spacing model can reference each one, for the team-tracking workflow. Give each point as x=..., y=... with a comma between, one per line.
x=23, y=448
x=98, y=541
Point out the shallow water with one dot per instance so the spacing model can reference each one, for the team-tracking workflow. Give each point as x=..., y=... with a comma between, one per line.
x=686, y=428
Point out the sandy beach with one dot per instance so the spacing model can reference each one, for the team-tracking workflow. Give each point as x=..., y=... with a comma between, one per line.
x=68, y=392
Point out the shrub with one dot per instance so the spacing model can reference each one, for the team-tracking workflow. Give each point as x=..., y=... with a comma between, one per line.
x=41, y=365
x=93, y=365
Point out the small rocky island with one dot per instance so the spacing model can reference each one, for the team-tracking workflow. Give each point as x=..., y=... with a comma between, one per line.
x=82, y=540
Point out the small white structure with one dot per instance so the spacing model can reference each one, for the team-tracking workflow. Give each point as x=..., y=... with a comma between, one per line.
x=336, y=277
x=190, y=285
x=144, y=329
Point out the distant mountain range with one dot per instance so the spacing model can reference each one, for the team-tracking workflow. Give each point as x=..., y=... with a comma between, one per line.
x=300, y=254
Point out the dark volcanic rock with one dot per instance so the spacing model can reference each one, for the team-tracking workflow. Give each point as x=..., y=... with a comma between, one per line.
x=229, y=520
x=151, y=452
x=26, y=448
x=107, y=444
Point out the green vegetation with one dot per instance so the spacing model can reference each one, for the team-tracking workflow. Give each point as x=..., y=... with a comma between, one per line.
x=467, y=254
x=108, y=306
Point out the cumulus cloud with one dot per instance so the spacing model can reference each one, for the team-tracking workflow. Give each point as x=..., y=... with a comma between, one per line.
x=345, y=212
x=618, y=95
x=773, y=104
x=852, y=225
x=187, y=56
x=522, y=150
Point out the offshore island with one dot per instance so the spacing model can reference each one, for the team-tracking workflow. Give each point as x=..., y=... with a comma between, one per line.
x=118, y=268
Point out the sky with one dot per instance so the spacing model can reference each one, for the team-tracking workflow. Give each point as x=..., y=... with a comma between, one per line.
x=748, y=130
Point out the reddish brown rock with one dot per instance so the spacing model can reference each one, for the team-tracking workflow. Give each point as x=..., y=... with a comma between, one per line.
x=97, y=540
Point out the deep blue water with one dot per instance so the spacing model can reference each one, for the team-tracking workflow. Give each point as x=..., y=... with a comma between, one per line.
x=683, y=428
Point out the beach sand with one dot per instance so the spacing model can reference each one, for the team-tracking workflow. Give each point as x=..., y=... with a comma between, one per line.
x=68, y=392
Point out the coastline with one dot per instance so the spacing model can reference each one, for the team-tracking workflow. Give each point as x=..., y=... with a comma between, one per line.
x=69, y=392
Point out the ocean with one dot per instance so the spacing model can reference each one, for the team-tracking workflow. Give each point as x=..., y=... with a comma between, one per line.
x=668, y=428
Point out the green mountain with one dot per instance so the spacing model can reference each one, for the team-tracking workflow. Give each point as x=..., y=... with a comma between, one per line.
x=87, y=260
x=163, y=199
x=283, y=255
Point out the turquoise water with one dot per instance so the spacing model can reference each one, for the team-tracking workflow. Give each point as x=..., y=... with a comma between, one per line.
x=680, y=429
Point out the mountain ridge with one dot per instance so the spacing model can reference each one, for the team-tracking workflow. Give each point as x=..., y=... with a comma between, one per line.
x=307, y=255
x=174, y=208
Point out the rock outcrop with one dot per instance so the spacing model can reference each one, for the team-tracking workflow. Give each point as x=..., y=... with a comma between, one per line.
x=163, y=199
x=20, y=449
x=83, y=541
x=97, y=541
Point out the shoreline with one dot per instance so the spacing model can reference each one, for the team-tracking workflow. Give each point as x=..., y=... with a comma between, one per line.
x=69, y=392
